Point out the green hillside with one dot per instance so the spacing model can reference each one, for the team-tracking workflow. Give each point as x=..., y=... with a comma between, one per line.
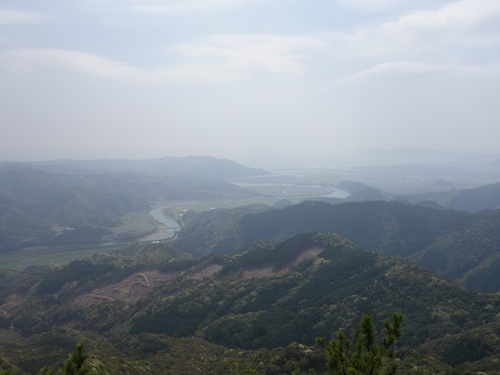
x=149, y=309
x=39, y=208
x=448, y=242
x=476, y=199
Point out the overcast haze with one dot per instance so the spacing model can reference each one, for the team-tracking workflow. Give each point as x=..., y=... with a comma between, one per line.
x=267, y=83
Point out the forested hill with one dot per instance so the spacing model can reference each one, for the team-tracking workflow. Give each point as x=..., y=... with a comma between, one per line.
x=41, y=208
x=451, y=243
x=475, y=199
x=147, y=310
x=200, y=166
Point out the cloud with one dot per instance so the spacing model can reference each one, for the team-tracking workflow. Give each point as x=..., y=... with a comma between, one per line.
x=455, y=37
x=9, y=16
x=454, y=21
x=60, y=59
x=371, y=5
x=222, y=57
x=186, y=6
x=397, y=70
x=444, y=38
x=251, y=53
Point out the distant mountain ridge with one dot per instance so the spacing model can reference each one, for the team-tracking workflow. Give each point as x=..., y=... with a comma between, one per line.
x=448, y=242
x=406, y=155
x=473, y=200
x=201, y=166
x=45, y=208
x=476, y=199
x=362, y=192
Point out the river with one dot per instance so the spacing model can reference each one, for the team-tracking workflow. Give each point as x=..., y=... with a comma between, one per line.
x=166, y=231
x=296, y=190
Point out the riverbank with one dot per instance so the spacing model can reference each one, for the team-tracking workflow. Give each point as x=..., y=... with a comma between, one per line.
x=167, y=228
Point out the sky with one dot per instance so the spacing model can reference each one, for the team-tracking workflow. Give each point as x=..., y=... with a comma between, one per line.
x=266, y=83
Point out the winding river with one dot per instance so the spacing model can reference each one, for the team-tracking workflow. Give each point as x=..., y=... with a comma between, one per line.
x=167, y=230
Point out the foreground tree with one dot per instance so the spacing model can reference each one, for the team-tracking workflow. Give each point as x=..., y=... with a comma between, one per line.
x=365, y=353
x=75, y=364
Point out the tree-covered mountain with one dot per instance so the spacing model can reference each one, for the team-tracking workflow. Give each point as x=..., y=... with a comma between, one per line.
x=41, y=208
x=198, y=166
x=451, y=243
x=213, y=231
x=149, y=309
x=473, y=200
x=476, y=199
x=362, y=192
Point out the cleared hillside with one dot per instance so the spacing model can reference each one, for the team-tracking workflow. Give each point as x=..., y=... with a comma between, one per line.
x=448, y=242
x=243, y=311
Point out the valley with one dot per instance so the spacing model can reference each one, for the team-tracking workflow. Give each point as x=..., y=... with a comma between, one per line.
x=158, y=274
x=243, y=310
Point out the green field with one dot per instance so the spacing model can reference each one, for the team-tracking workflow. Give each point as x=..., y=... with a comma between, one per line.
x=140, y=223
x=175, y=208
x=135, y=224
x=50, y=256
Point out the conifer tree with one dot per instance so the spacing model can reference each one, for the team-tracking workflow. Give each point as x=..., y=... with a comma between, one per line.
x=365, y=353
x=74, y=365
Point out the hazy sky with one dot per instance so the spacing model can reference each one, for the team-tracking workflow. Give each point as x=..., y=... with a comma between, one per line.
x=267, y=83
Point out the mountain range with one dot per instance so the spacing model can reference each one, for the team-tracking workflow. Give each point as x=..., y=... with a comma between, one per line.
x=150, y=309
x=244, y=290
x=40, y=208
x=476, y=199
x=458, y=245
x=200, y=166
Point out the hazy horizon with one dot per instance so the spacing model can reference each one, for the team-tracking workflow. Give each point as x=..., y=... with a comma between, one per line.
x=374, y=157
x=265, y=83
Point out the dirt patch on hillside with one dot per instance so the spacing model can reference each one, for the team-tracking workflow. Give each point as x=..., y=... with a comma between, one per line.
x=269, y=271
x=140, y=284
x=206, y=272
x=258, y=272
x=307, y=254
x=130, y=289
x=10, y=302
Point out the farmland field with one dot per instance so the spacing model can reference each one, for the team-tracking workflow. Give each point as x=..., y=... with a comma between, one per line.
x=50, y=256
